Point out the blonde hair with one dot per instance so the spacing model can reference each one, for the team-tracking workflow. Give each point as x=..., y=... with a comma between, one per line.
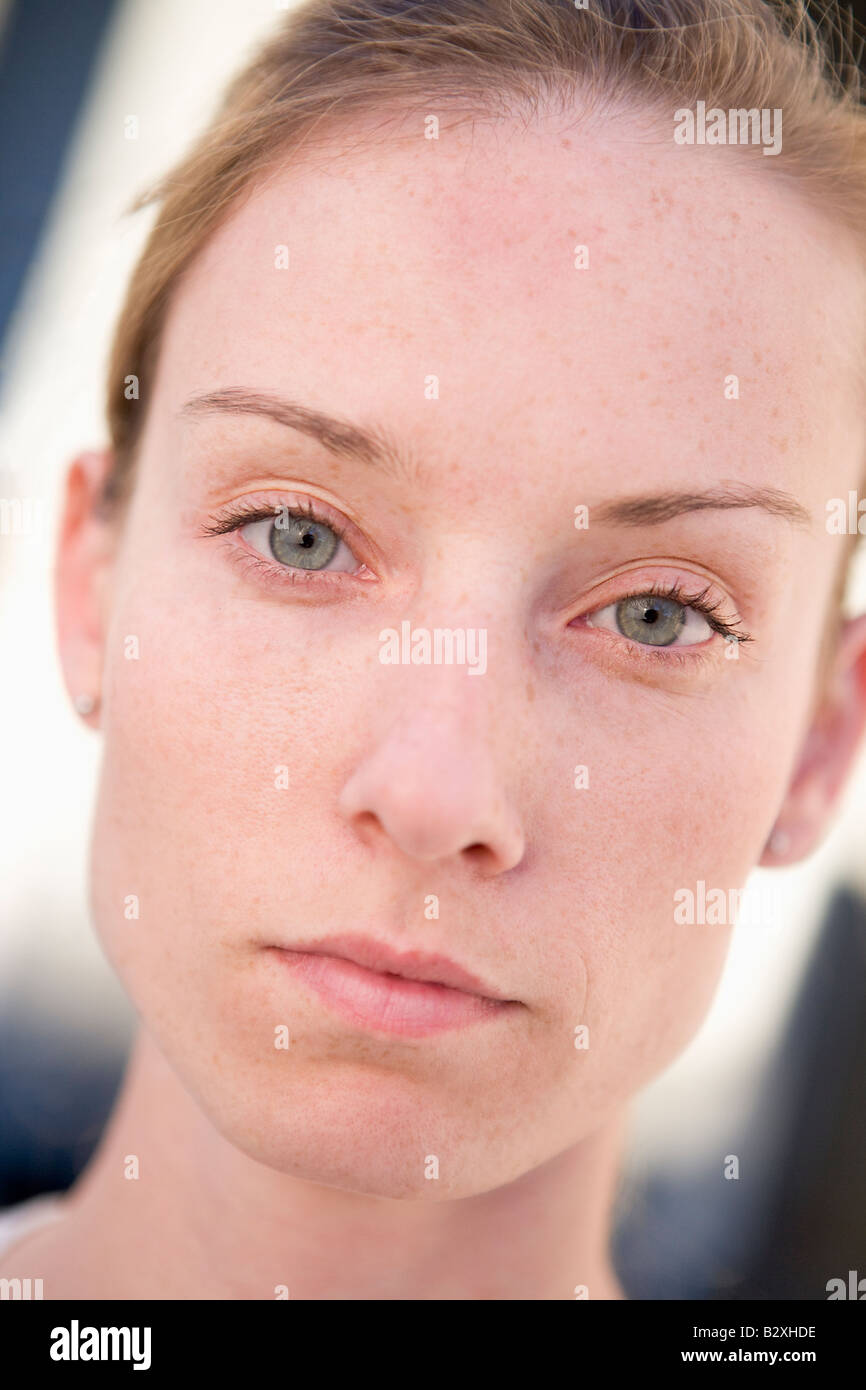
x=333, y=58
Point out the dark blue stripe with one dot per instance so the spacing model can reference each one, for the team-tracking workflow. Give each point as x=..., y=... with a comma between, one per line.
x=47, y=54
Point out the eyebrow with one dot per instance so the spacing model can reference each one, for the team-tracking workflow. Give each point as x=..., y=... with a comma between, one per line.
x=371, y=446
x=338, y=436
x=651, y=508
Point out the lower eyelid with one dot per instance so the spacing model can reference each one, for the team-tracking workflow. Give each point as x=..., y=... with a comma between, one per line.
x=622, y=653
x=271, y=571
x=648, y=656
x=654, y=649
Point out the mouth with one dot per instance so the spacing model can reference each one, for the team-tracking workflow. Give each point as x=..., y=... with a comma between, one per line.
x=408, y=993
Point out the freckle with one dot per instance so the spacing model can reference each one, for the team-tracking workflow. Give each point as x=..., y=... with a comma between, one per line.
x=530, y=691
x=642, y=376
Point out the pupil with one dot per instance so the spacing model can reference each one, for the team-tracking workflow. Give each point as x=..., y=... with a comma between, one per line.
x=651, y=615
x=308, y=539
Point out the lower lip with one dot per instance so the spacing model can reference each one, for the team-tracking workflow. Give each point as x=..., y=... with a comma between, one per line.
x=388, y=1003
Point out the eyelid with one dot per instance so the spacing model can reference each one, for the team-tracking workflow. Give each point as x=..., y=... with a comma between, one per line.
x=260, y=506
x=666, y=579
x=250, y=508
x=681, y=591
x=233, y=516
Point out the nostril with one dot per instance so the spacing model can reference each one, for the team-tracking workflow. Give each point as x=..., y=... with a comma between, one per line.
x=477, y=851
x=368, y=823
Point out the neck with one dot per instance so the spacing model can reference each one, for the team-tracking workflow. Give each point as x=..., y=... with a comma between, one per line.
x=203, y=1220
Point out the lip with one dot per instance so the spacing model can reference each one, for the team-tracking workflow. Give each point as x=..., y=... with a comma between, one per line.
x=411, y=993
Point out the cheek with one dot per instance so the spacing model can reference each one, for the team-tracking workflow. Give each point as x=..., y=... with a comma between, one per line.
x=215, y=827
x=221, y=734
x=679, y=793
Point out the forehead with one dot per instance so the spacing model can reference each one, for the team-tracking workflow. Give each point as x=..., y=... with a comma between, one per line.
x=593, y=290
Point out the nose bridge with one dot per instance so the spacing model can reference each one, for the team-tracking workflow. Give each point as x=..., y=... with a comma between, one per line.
x=432, y=649
x=452, y=650
x=441, y=708
x=456, y=622
x=434, y=775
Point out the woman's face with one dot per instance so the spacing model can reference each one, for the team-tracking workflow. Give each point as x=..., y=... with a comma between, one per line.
x=534, y=812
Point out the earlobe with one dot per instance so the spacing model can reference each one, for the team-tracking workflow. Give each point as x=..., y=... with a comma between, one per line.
x=829, y=754
x=83, y=558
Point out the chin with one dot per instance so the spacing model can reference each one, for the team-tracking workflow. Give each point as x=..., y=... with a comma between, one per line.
x=368, y=1134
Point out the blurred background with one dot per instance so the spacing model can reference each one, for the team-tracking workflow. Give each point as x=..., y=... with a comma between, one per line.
x=96, y=100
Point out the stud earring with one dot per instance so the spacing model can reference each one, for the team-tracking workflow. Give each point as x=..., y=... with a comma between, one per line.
x=780, y=842
x=85, y=704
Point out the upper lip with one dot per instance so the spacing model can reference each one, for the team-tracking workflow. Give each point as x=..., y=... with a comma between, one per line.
x=411, y=965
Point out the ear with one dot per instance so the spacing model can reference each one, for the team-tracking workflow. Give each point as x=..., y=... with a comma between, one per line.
x=85, y=551
x=828, y=755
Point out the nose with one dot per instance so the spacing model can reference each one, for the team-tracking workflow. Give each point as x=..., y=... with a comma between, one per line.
x=431, y=784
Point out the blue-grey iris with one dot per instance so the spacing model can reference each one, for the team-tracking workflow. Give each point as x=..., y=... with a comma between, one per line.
x=302, y=542
x=651, y=618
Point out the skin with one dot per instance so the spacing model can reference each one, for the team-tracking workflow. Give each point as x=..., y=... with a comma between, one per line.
x=558, y=387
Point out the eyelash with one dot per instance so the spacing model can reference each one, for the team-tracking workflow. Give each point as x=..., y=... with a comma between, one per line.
x=689, y=657
x=708, y=610
x=244, y=513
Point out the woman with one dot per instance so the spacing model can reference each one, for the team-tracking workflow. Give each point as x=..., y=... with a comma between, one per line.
x=457, y=351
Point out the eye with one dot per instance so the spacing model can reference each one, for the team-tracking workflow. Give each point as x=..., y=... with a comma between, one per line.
x=656, y=620
x=298, y=540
